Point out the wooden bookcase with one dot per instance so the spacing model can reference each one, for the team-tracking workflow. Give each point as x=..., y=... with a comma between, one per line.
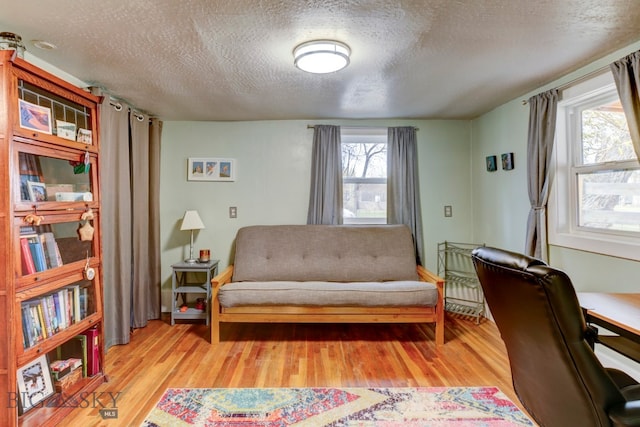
x=50, y=184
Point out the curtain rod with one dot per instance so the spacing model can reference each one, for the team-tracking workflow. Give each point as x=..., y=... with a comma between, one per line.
x=359, y=127
x=118, y=107
x=578, y=80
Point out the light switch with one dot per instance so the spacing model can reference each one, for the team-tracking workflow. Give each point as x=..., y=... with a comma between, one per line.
x=448, y=211
x=233, y=212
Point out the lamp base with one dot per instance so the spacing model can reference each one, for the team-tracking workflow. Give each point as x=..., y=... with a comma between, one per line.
x=191, y=260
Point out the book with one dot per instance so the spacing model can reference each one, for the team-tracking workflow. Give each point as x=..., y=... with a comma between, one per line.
x=28, y=266
x=27, y=327
x=37, y=252
x=57, y=307
x=93, y=351
x=60, y=368
x=43, y=326
x=50, y=245
x=34, y=321
x=55, y=327
x=75, y=363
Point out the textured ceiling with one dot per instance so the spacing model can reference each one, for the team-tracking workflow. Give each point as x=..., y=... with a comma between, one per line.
x=232, y=59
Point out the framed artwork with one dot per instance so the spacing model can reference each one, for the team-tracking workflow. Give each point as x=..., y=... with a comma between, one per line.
x=66, y=130
x=34, y=383
x=507, y=161
x=37, y=191
x=492, y=164
x=84, y=136
x=34, y=117
x=211, y=169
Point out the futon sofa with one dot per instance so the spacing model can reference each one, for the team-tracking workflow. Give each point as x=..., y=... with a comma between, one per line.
x=326, y=274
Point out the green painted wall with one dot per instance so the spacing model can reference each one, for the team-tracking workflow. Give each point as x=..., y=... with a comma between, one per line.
x=272, y=185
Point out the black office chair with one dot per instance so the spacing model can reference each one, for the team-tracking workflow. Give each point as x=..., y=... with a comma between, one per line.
x=555, y=373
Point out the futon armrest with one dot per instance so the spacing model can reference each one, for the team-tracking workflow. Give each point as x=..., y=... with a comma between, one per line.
x=626, y=415
x=220, y=279
x=428, y=276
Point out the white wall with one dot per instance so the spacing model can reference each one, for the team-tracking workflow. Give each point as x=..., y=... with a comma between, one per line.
x=272, y=185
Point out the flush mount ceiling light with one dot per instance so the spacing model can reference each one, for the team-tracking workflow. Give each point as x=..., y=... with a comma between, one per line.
x=44, y=45
x=321, y=56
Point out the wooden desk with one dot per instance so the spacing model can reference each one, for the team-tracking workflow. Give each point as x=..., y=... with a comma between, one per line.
x=618, y=313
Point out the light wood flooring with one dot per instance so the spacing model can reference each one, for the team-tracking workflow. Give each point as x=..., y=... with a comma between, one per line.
x=294, y=355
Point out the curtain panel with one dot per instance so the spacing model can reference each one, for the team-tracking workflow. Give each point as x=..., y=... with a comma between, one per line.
x=626, y=73
x=542, y=127
x=129, y=168
x=403, y=193
x=325, y=197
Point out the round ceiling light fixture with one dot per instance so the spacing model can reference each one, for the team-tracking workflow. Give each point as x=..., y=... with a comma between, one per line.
x=321, y=56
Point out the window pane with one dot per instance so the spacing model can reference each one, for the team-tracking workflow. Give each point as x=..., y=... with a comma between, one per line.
x=610, y=200
x=605, y=134
x=363, y=200
x=364, y=160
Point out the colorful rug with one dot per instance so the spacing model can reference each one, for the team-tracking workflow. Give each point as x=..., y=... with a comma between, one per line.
x=336, y=407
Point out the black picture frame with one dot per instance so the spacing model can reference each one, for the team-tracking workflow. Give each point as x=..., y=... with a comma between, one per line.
x=492, y=163
x=507, y=161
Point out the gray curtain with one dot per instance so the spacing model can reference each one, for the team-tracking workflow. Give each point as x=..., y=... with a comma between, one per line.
x=325, y=198
x=145, y=181
x=403, y=194
x=542, y=127
x=626, y=73
x=130, y=224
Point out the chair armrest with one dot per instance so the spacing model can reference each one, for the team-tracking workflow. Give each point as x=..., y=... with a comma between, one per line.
x=428, y=276
x=220, y=279
x=626, y=415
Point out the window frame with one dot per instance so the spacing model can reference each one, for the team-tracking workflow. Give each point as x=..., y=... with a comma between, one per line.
x=563, y=207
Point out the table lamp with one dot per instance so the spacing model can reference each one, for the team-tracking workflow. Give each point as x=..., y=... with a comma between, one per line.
x=191, y=221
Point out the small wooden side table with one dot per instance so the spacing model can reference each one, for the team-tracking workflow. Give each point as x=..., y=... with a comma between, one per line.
x=180, y=286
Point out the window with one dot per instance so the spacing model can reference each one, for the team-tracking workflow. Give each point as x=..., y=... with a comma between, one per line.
x=364, y=175
x=595, y=200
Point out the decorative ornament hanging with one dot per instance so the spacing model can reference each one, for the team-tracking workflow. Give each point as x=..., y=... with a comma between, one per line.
x=81, y=166
x=86, y=230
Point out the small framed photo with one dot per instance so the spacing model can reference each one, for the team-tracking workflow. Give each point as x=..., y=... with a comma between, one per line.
x=507, y=161
x=34, y=117
x=211, y=169
x=37, y=191
x=492, y=164
x=34, y=383
x=66, y=130
x=84, y=136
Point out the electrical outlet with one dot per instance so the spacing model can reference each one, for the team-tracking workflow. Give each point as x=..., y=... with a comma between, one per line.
x=448, y=212
x=233, y=212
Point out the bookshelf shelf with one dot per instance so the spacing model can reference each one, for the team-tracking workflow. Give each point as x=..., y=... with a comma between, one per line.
x=52, y=181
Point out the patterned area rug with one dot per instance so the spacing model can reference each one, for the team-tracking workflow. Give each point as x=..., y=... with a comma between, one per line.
x=281, y=407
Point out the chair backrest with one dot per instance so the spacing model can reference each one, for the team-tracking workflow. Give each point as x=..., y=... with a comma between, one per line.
x=555, y=373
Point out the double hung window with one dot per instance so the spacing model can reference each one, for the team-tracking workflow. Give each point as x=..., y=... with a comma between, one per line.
x=595, y=202
x=364, y=175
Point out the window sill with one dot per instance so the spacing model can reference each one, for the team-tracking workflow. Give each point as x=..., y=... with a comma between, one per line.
x=620, y=247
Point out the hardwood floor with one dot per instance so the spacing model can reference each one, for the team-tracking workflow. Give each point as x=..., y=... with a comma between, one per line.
x=293, y=355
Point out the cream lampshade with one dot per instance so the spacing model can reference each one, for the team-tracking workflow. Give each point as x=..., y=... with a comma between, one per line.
x=191, y=221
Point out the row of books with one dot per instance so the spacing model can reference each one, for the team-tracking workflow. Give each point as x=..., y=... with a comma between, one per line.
x=45, y=316
x=39, y=252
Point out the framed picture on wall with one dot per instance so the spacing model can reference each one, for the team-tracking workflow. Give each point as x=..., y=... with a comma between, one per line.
x=492, y=164
x=507, y=161
x=211, y=169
